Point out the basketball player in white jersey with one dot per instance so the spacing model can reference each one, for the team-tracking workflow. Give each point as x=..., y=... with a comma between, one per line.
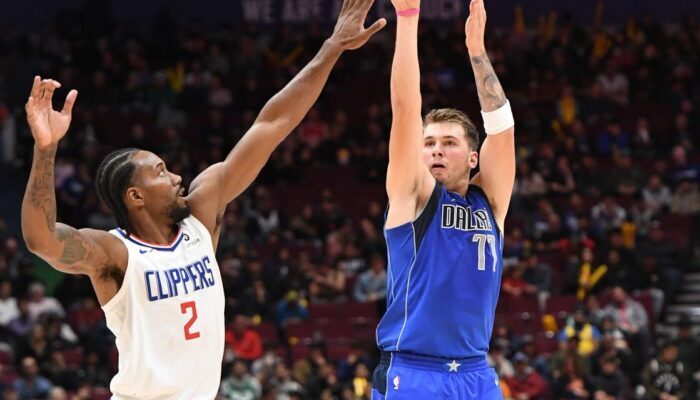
x=156, y=276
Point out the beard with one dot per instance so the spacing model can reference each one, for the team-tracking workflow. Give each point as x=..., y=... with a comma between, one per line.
x=177, y=212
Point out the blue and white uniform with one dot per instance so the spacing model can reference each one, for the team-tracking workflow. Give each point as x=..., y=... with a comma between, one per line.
x=443, y=278
x=168, y=318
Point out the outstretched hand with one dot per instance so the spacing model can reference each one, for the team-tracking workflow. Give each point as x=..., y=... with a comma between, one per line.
x=48, y=125
x=350, y=32
x=475, y=27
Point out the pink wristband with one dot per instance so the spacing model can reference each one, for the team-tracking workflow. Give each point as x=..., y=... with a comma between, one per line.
x=408, y=12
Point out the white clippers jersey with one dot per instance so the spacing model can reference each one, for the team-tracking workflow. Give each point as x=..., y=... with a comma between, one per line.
x=168, y=318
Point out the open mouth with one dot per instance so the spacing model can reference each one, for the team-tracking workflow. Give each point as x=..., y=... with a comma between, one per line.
x=181, y=192
x=437, y=167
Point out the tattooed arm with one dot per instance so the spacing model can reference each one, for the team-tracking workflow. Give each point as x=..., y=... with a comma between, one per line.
x=67, y=249
x=497, y=155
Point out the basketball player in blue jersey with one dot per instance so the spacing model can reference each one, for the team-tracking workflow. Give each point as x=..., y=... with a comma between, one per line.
x=443, y=230
x=156, y=275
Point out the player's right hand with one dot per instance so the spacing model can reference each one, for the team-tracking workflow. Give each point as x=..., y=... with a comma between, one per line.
x=402, y=5
x=48, y=125
x=350, y=32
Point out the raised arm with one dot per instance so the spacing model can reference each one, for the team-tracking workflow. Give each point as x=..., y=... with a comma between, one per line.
x=497, y=156
x=65, y=248
x=222, y=182
x=407, y=178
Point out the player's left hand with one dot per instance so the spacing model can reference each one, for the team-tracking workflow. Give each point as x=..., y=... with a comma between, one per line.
x=350, y=32
x=475, y=27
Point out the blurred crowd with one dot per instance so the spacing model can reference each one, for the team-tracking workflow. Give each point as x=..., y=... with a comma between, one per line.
x=605, y=202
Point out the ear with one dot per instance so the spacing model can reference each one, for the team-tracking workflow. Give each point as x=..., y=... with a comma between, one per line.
x=473, y=159
x=134, y=196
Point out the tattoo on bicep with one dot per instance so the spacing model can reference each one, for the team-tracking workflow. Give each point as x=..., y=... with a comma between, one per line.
x=75, y=247
x=491, y=94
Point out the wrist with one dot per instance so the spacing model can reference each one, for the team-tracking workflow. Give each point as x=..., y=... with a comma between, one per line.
x=408, y=12
x=478, y=51
x=45, y=148
x=333, y=45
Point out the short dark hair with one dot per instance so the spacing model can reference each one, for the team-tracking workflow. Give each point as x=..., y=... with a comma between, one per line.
x=114, y=176
x=455, y=116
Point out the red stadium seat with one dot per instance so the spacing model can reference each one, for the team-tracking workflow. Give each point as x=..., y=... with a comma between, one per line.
x=546, y=345
x=325, y=311
x=556, y=304
x=366, y=310
x=300, y=331
x=73, y=357
x=268, y=331
x=6, y=357
x=338, y=352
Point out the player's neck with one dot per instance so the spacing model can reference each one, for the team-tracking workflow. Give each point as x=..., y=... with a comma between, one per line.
x=152, y=231
x=460, y=187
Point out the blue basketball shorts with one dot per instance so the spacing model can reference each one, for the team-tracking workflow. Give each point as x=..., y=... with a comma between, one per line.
x=401, y=376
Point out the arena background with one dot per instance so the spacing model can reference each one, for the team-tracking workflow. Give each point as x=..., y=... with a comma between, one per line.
x=605, y=96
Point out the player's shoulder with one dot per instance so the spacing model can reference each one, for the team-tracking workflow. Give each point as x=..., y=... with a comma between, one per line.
x=114, y=248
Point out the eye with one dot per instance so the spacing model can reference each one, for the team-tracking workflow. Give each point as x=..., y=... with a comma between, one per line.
x=161, y=173
x=450, y=143
x=429, y=143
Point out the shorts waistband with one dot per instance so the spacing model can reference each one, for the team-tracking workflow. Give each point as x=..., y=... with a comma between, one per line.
x=430, y=363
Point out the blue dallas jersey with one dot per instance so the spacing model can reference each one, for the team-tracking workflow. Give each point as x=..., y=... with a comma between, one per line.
x=443, y=278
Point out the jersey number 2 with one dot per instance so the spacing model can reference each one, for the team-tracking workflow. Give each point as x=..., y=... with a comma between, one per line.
x=183, y=307
x=482, y=239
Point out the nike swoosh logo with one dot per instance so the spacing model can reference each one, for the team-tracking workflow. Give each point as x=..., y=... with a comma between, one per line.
x=143, y=251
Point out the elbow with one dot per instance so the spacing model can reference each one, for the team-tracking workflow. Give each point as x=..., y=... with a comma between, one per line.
x=36, y=243
x=32, y=242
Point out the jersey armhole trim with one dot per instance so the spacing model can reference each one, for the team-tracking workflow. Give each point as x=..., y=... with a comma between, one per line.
x=480, y=190
x=117, y=298
x=425, y=217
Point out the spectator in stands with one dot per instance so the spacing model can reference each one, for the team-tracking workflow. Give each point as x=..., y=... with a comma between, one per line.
x=688, y=345
x=657, y=196
x=682, y=168
x=526, y=383
x=610, y=383
x=58, y=393
x=578, y=325
x=361, y=382
x=607, y=215
x=264, y=367
x=240, y=385
x=31, y=385
x=665, y=377
x=22, y=324
x=588, y=276
x=291, y=309
x=568, y=349
x=244, y=342
x=614, y=84
x=327, y=283
x=632, y=319
x=497, y=359
x=8, y=304
x=40, y=305
x=283, y=384
x=539, y=276
x=371, y=284
x=257, y=303
x=686, y=199
x=528, y=183
x=514, y=285
x=571, y=385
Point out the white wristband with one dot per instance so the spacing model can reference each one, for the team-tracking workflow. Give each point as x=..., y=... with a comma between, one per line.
x=498, y=121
